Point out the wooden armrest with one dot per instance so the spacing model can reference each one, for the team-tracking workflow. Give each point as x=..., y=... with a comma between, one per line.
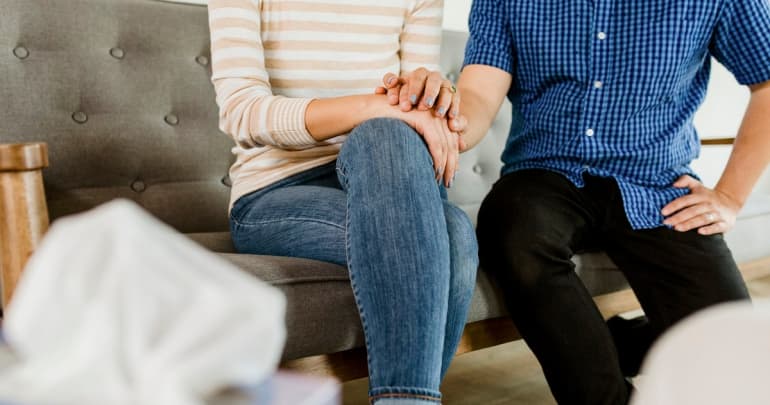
x=717, y=141
x=22, y=209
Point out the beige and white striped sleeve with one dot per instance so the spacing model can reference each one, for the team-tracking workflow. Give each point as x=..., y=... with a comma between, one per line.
x=421, y=36
x=248, y=111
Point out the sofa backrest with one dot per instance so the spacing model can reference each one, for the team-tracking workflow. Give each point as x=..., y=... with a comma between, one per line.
x=120, y=91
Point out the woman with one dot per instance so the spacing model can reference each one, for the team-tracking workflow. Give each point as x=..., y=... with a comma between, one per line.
x=293, y=79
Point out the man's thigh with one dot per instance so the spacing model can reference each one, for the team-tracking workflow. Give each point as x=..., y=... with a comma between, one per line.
x=675, y=273
x=533, y=210
x=541, y=201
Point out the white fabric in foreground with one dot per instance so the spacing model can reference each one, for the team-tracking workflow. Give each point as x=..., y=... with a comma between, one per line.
x=117, y=308
x=718, y=356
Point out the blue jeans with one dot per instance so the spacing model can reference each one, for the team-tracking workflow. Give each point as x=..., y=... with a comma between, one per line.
x=412, y=256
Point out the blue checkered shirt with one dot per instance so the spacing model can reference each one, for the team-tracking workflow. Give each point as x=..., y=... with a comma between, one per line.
x=610, y=87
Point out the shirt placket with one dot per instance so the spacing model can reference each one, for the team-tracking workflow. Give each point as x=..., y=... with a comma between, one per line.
x=597, y=63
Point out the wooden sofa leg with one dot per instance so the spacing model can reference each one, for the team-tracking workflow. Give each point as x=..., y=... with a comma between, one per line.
x=23, y=211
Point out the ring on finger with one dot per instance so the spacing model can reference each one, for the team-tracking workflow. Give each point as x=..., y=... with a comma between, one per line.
x=452, y=89
x=710, y=217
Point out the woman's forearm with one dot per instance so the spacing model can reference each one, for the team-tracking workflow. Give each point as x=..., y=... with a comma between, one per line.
x=330, y=117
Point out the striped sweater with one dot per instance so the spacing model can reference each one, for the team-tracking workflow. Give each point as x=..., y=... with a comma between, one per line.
x=271, y=58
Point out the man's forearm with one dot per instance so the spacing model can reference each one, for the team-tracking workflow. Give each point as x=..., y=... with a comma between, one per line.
x=751, y=151
x=483, y=89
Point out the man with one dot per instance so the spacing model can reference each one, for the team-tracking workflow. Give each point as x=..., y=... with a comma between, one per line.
x=607, y=91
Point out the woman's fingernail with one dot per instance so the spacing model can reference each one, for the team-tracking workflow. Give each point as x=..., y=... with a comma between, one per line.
x=455, y=113
x=429, y=102
x=441, y=110
x=390, y=81
x=455, y=123
x=413, y=99
x=451, y=182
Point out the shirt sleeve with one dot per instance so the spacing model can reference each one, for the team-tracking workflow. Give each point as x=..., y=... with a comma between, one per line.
x=490, y=41
x=420, y=41
x=741, y=40
x=248, y=111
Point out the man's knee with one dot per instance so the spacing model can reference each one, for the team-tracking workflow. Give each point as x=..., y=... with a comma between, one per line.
x=519, y=240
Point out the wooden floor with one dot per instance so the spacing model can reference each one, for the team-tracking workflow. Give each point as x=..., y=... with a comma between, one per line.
x=505, y=374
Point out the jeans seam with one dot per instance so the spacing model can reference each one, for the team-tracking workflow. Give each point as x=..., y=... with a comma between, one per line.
x=353, y=285
x=288, y=219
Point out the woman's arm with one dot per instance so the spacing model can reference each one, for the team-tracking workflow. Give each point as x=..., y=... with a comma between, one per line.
x=248, y=110
x=327, y=118
x=330, y=117
x=253, y=116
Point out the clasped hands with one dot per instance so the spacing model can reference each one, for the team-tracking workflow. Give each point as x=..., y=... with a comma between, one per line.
x=431, y=105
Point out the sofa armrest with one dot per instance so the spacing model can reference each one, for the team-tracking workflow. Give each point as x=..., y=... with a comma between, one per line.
x=23, y=211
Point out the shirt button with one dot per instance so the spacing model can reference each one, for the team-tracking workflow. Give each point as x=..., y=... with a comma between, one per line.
x=598, y=84
x=589, y=132
x=602, y=36
x=586, y=167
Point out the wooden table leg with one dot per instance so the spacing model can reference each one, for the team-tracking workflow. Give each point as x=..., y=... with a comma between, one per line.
x=23, y=211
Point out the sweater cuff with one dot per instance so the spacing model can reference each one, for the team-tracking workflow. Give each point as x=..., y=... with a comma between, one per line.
x=287, y=126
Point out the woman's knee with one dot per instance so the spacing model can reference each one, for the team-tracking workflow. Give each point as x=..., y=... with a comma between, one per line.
x=385, y=143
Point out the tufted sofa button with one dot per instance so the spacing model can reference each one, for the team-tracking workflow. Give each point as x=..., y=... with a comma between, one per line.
x=202, y=60
x=171, y=119
x=117, y=53
x=477, y=169
x=80, y=117
x=138, y=186
x=21, y=52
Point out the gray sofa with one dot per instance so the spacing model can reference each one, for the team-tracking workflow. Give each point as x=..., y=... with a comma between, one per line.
x=120, y=91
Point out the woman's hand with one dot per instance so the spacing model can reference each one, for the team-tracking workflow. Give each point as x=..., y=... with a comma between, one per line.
x=443, y=143
x=424, y=90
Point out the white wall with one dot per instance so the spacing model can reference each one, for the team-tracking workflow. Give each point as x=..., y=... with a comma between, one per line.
x=456, y=14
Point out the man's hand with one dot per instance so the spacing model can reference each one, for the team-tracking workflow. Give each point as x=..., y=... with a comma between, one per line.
x=709, y=211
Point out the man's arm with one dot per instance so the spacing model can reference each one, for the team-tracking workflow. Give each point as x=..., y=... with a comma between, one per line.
x=714, y=211
x=751, y=150
x=483, y=90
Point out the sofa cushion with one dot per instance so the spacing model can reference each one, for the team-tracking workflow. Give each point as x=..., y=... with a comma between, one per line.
x=219, y=242
x=321, y=314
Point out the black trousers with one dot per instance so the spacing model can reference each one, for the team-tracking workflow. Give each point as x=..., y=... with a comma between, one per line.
x=529, y=227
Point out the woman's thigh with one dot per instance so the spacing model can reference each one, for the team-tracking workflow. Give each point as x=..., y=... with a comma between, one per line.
x=296, y=221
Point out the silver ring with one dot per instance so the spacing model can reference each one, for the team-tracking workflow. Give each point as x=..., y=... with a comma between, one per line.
x=710, y=217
